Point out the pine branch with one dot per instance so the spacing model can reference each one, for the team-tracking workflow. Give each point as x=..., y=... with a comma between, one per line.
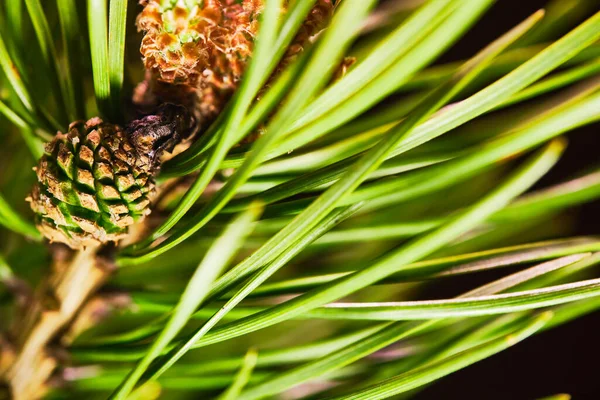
x=54, y=305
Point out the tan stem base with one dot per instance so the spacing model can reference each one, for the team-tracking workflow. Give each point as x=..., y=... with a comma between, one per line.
x=55, y=304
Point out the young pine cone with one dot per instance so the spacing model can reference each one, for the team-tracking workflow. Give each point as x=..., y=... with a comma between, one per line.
x=95, y=180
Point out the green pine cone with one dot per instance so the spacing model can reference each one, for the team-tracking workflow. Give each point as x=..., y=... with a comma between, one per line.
x=91, y=185
x=95, y=181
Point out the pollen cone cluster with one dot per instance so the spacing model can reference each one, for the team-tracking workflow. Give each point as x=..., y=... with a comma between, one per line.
x=206, y=45
x=188, y=41
x=95, y=181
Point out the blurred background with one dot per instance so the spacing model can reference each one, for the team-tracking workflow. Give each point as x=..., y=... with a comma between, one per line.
x=561, y=360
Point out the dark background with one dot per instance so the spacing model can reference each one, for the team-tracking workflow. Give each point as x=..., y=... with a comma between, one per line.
x=565, y=359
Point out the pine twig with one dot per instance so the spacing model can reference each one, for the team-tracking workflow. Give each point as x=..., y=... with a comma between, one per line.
x=55, y=304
